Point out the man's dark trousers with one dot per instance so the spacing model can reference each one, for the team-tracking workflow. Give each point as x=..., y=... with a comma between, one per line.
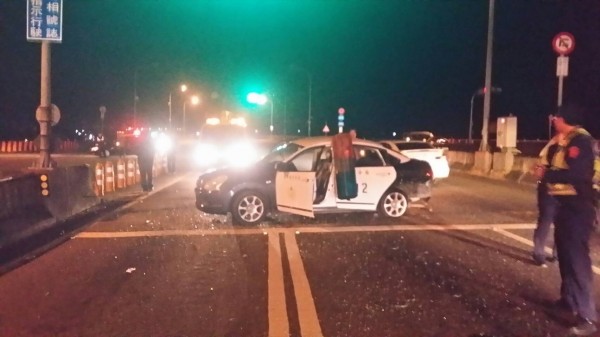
x=573, y=227
x=146, y=162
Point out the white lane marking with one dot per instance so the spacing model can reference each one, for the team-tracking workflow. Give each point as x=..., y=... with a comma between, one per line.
x=133, y=202
x=278, y=319
x=307, y=312
x=527, y=242
x=254, y=231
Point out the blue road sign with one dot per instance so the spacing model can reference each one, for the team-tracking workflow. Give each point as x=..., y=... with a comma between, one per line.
x=44, y=20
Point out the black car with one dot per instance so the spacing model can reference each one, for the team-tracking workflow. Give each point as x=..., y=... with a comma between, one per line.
x=300, y=177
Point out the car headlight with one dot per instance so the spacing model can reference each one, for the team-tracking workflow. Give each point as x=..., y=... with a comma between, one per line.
x=215, y=183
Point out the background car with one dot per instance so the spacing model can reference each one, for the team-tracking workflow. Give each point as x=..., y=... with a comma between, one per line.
x=422, y=151
x=299, y=177
x=221, y=144
x=419, y=136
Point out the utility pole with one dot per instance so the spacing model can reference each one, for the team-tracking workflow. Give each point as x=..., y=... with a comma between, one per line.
x=44, y=113
x=309, y=101
x=483, y=146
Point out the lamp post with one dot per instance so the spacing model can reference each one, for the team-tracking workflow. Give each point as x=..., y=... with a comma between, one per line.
x=135, y=97
x=183, y=88
x=478, y=92
x=309, y=76
x=194, y=100
x=102, y=114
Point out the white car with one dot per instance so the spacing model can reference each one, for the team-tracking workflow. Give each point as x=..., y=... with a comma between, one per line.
x=422, y=151
x=305, y=177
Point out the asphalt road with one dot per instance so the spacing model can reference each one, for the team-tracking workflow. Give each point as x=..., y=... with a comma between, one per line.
x=158, y=267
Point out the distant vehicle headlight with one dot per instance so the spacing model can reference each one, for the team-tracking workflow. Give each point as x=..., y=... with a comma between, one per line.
x=94, y=148
x=241, y=154
x=206, y=154
x=163, y=143
x=215, y=183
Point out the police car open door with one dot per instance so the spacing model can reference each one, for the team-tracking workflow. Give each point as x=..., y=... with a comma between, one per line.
x=294, y=192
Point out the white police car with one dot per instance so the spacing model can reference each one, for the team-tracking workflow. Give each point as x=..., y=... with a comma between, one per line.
x=299, y=177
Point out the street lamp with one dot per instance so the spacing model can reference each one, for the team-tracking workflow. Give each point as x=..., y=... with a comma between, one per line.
x=479, y=92
x=136, y=98
x=183, y=88
x=194, y=100
x=261, y=99
x=309, y=76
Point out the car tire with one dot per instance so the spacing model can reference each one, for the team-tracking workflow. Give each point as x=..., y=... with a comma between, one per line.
x=248, y=208
x=393, y=204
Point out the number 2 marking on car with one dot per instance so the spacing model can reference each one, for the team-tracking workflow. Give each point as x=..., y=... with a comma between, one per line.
x=364, y=189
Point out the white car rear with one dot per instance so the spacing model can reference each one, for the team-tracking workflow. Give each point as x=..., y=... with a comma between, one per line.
x=422, y=151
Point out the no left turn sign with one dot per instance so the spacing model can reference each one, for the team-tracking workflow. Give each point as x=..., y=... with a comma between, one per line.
x=563, y=43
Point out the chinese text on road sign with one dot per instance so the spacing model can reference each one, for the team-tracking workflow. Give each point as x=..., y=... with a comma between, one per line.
x=44, y=20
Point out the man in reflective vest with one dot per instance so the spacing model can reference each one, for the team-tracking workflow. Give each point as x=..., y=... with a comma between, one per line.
x=569, y=180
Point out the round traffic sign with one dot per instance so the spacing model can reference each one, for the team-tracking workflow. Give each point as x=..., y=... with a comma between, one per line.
x=563, y=43
x=54, y=116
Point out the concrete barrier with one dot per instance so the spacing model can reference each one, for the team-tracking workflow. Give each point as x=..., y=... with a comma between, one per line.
x=20, y=196
x=461, y=160
x=70, y=191
x=516, y=168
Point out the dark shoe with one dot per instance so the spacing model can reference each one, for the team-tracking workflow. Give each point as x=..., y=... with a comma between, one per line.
x=564, y=306
x=584, y=328
x=540, y=261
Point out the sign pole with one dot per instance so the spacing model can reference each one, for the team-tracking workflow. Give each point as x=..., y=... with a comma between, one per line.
x=560, y=90
x=44, y=108
x=44, y=24
x=563, y=44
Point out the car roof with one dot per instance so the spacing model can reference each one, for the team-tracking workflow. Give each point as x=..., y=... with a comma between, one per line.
x=326, y=140
x=403, y=141
x=418, y=132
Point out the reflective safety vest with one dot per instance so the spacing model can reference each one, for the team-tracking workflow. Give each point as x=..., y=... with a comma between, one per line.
x=544, y=158
x=559, y=163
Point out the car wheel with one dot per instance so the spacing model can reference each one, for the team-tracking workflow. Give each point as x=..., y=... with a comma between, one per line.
x=393, y=204
x=248, y=208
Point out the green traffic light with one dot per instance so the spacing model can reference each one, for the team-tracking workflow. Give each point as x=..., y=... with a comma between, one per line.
x=256, y=98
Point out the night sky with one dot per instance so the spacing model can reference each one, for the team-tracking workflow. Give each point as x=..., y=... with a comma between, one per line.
x=393, y=65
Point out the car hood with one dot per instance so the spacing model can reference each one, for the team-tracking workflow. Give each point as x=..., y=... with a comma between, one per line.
x=257, y=171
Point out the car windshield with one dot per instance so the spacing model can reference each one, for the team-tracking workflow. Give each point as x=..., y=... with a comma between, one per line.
x=281, y=152
x=413, y=146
